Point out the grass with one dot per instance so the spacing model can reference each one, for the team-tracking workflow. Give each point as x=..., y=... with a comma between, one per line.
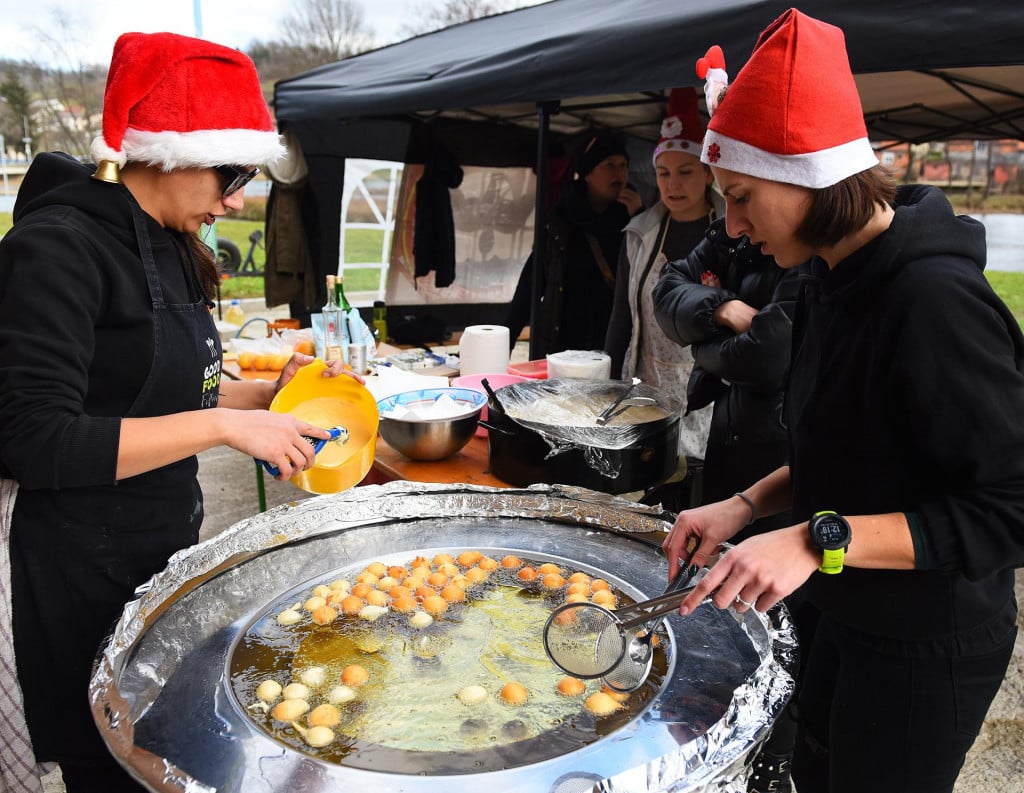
x=364, y=245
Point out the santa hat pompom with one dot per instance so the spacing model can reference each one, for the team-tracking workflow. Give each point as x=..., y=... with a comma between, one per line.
x=793, y=113
x=683, y=128
x=711, y=69
x=180, y=102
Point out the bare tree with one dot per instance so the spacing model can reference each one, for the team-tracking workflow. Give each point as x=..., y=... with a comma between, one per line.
x=15, y=110
x=323, y=31
x=428, y=15
x=67, y=93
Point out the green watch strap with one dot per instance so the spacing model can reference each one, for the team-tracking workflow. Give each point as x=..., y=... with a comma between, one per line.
x=832, y=561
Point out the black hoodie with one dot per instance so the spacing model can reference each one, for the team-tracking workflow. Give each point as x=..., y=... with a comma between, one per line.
x=907, y=395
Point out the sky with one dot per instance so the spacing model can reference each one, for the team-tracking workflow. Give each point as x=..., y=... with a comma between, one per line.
x=234, y=23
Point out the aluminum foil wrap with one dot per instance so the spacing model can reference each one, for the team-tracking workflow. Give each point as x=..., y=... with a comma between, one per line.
x=162, y=703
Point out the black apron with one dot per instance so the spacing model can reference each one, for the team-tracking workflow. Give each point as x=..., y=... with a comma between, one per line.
x=77, y=555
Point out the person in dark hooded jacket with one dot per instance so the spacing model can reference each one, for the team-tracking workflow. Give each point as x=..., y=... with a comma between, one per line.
x=905, y=474
x=735, y=306
x=110, y=380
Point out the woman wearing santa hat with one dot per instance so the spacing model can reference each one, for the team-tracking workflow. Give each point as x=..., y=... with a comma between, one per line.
x=667, y=231
x=110, y=380
x=906, y=468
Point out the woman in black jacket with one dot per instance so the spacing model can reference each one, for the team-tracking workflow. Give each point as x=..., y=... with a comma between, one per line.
x=735, y=306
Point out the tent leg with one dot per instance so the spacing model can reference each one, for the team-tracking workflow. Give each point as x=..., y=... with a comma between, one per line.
x=540, y=225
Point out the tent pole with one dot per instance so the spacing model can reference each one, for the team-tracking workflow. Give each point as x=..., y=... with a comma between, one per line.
x=540, y=225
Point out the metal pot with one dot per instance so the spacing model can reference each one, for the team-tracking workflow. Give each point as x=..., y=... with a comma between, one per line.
x=546, y=431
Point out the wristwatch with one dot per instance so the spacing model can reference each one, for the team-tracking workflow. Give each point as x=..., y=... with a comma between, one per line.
x=830, y=533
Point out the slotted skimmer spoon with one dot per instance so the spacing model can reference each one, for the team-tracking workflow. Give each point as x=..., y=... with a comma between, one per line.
x=588, y=641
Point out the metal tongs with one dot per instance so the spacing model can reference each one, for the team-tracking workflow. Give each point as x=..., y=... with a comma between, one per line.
x=607, y=414
x=338, y=434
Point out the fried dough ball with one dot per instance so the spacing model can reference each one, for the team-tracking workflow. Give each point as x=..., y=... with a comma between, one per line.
x=339, y=695
x=514, y=693
x=437, y=579
x=352, y=604
x=571, y=687
x=313, y=677
x=314, y=603
x=340, y=584
x=354, y=675
x=578, y=588
x=603, y=597
x=289, y=709
x=552, y=581
x=288, y=617
x=321, y=591
x=599, y=583
x=362, y=589
x=600, y=704
x=295, y=691
x=488, y=564
x=387, y=582
x=473, y=695
x=511, y=562
x=324, y=716
x=443, y=558
x=548, y=567
x=324, y=615
x=420, y=619
x=398, y=572
x=453, y=594
x=377, y=568
x=405, y=604
x=469, y=558
x=377, y=598
x=618, y=696
x=435, y=605
x=476, y=575
x=527, y=574
x=579, y=578
x=268, y=690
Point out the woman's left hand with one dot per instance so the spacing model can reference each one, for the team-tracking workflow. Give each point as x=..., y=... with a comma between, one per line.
x=298, y=360
x=759, y=572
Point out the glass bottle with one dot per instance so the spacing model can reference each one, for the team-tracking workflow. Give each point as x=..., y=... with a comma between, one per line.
x=332, y=324
x=380, y=320
x=344, y=307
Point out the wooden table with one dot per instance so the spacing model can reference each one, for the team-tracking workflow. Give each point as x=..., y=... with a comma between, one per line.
x=468, y=466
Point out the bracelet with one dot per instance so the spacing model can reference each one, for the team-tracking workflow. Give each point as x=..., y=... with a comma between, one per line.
x=750, y=503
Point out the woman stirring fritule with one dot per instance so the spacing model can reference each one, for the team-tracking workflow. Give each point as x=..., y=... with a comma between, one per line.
x=110, y=378
x=906, y=446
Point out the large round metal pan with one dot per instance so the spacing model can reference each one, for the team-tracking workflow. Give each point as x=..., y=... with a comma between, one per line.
x=163, y=704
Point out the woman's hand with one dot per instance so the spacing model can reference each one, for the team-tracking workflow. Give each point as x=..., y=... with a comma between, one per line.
x=759, y=572
x=697, y=533
x=735, y=315
x=298, y=360
x=276, y=438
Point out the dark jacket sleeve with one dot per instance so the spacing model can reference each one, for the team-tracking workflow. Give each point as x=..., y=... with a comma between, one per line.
x=620, y=325
x=518, y=315
x=47, y=340
x=759, y=357
x=683, y=306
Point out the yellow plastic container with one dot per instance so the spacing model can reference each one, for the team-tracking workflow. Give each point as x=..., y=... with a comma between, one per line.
x=330, y=402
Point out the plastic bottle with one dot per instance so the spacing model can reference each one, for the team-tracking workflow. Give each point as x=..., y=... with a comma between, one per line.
x=234, y=314
x=332, y=325
x=380, y=320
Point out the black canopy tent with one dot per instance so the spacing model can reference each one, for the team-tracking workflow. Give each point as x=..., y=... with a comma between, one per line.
x=501, y=90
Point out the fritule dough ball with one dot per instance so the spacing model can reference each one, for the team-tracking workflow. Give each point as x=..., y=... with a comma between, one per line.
x=600, y=704
x=514, y=693
x=571, y=687
x=268, y=690
x=473, y=695
x=289, y=709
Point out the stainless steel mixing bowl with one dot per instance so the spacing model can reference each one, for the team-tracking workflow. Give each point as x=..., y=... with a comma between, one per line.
x=431, y=438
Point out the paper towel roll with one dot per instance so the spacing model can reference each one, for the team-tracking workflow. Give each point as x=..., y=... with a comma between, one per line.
x=484, y=349
x=587, y=364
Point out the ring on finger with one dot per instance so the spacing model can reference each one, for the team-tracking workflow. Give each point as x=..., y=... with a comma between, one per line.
x=743, y=602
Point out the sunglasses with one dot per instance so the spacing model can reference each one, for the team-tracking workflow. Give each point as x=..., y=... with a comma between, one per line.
x=234, y=178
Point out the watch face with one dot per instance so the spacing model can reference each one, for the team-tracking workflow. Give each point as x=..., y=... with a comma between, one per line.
x=832, y=532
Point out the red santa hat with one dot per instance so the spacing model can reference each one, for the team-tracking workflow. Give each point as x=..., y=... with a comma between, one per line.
x=180, y=102
x=683, y=128
x=793, y=113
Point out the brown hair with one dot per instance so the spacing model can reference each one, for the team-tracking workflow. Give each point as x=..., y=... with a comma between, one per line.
x=846, y=206
x=206, y=266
